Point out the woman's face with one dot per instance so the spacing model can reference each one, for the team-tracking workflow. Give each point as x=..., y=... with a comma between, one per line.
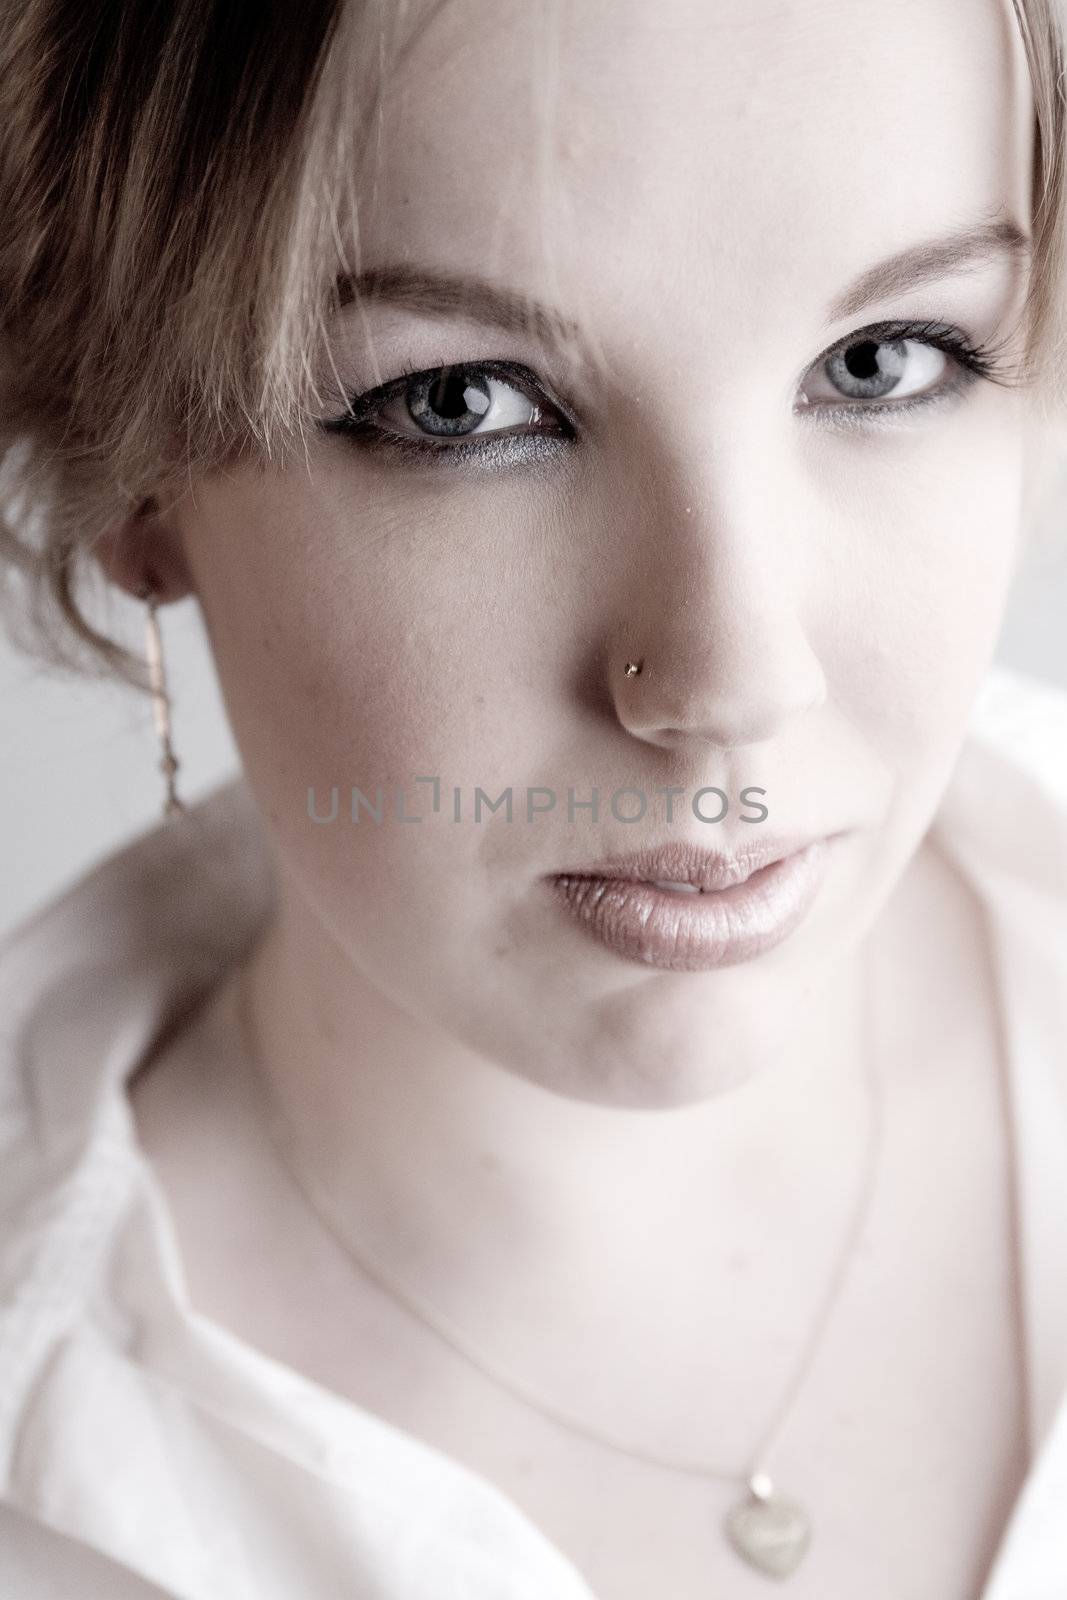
x=810, y=560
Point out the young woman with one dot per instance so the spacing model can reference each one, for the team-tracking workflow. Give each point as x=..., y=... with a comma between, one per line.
x=585, y=1114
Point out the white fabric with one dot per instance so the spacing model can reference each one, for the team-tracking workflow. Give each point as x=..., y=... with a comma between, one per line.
x=146, y=1451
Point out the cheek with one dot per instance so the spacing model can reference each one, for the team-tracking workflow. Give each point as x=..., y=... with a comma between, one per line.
x=930, y=539
x=352, y=653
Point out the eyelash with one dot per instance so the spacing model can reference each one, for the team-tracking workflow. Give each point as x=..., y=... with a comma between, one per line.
x=494, y=450
x=490, y=450
x=976, y=361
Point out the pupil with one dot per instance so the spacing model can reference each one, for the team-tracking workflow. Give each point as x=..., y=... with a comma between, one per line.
x=447, y=396
x=861, y=360
x=451, y=402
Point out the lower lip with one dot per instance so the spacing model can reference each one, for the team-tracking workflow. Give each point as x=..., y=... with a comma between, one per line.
x=696, y=932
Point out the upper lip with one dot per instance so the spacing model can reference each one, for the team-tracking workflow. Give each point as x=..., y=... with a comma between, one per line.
x=681, y=862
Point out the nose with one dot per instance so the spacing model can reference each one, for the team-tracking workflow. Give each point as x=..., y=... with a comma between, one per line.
x=716, y=623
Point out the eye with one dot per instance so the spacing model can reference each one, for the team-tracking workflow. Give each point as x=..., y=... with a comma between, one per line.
x=442, y=409
x=871, y=370
x=896, y=367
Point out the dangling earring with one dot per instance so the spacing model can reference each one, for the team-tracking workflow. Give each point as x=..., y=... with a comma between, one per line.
x=172, y=805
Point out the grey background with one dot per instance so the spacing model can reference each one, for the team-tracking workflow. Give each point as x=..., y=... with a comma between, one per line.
x=80, y=757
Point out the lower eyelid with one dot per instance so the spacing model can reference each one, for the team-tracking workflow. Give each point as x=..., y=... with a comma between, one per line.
x=486, y=452
x=845, y=415
x=500, y=449
x=944, y=394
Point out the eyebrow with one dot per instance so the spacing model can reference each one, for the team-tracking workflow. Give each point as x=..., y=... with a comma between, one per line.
x=447, y=295
x=961, y=251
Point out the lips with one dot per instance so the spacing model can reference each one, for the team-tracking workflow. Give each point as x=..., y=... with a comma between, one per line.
x=743, y=905
x=680, y=863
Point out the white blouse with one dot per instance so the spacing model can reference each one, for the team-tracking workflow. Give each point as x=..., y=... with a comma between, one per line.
x=146, y=1451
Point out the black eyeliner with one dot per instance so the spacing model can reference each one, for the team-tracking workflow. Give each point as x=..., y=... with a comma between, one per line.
x=529, y=445
x=358, y=422
x=985, y=360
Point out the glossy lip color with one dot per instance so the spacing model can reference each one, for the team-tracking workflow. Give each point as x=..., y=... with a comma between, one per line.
x=686, y=932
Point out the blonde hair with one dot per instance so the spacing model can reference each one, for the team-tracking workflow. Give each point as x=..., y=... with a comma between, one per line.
x=176, y=181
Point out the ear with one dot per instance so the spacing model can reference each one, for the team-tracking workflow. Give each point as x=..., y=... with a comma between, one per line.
x=145, y=551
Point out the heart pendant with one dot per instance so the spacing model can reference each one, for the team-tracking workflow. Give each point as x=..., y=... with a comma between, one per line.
x=771, y=1533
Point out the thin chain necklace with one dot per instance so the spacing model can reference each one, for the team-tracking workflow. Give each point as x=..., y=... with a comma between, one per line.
x=772, y=1533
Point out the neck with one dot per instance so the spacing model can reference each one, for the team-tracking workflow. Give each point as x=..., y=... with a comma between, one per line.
x=425, y=1143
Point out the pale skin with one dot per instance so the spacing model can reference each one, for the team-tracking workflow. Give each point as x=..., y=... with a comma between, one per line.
x=630, y=1185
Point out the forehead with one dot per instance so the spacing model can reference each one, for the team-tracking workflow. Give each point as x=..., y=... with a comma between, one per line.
x=619, y=147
